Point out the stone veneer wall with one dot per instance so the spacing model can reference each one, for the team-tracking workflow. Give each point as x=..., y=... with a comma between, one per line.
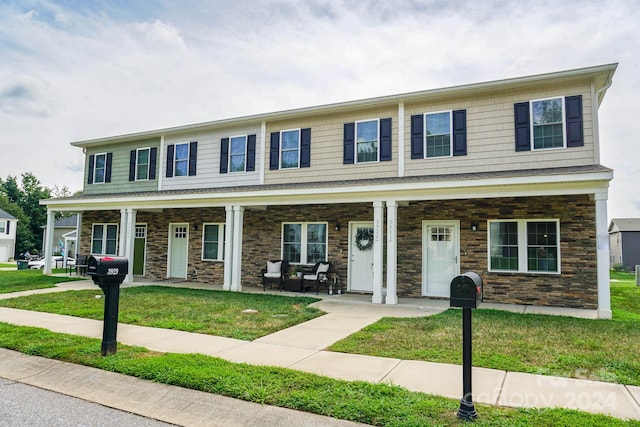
x=575, y=287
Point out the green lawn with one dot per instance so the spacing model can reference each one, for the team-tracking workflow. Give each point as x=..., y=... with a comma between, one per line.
x=375, y=404
x=193, y=310
x=8, y=265
x=603, y=350
x=24, y=280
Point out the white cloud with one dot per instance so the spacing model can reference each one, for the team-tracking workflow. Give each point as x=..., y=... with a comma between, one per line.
x=98, y=70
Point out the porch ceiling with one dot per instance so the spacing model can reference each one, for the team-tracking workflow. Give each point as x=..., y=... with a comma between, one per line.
x=534, y=182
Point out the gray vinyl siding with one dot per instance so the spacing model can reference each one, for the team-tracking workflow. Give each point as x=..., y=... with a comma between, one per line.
x=208, y=162
x=120, y=168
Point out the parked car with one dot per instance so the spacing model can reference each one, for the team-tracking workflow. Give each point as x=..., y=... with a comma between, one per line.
x=57, y=261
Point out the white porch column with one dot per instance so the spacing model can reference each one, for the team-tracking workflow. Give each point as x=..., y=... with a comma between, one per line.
x=228, y=248
x=122, y=243
x=378, y=245
x=236, y=275
x=392, y=250
x=78, y=236
x=48, y=244
x=129, y=240
x=602, y=239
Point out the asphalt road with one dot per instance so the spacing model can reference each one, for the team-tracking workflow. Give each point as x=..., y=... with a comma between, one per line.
x=23, y=405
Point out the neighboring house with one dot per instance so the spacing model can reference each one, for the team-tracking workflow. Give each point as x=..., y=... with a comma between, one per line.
x=401, y=192
x=64, y=237
x=624, y=242
x=8, y=225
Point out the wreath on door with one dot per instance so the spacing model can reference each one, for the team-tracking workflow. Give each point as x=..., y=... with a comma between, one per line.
x=364, y=239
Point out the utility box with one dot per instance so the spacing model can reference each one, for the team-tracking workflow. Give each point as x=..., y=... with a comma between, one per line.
x=466, y=290
x=109, y=272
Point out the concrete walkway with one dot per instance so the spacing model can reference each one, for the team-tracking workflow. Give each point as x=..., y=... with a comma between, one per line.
x=302, y=347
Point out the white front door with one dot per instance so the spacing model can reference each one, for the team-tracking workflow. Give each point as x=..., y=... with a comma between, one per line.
x=440, y=256
x=361, y=256
x=178, y=250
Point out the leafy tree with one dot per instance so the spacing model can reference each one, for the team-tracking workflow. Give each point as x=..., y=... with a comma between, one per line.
x=25, y=241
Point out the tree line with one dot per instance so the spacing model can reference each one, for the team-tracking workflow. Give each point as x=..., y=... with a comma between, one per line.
x=22, y=200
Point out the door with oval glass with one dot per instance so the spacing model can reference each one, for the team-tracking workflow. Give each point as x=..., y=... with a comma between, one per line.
x=361, y=256
x=440, y=256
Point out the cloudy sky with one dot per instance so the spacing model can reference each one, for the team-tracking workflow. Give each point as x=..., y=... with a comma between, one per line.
x=80, y=69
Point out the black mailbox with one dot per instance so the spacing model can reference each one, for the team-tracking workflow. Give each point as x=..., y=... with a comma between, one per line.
x=466, y=290
x=107, y=270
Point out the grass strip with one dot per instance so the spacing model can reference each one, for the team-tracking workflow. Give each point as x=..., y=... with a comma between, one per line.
x=26, y=280
x=193, y=310
x=375, y=404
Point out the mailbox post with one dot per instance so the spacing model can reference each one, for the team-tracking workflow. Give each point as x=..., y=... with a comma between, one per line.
x=109, y=273
x=466, y=292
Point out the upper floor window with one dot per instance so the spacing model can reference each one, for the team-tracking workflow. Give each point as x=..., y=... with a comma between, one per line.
x=439, y=134
x=99, y=168
x=304, y=243
x=181, y=159
x=3, y=227
x=290, y=149
x=238, y=154
x=367, y=141
x=524, y=246
x=142, y=164
x=549, y=123
x=213, y=242
x=104, y=239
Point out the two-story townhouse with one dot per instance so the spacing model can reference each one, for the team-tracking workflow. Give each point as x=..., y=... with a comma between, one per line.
x=400, y=192
x=8, y=227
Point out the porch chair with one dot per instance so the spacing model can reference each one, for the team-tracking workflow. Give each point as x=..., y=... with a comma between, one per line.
x=317, y=276
x=275, y=273
x=81, y=264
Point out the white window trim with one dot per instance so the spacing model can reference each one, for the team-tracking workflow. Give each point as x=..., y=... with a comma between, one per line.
x=424, y=135
x=246, y=144
x=104, y=236
x=148, y=163
x=220, y=256
x=304, y=242
x=298, y=149
x=95, y=161
x=522, y=246
x=175, y=159
x=3, y=227
x=355, y=141
x=564, y=124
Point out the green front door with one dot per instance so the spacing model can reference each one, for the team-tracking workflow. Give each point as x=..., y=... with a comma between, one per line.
x=139, y=244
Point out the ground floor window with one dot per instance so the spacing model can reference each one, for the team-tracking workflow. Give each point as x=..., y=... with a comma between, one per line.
x=104, y=239
x=304, y=243
x=213, y=242
x=524, y=246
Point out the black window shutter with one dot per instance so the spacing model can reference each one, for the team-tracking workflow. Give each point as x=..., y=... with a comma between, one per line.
x=153, y=153
x=8, y=229
x=305, y=148
x=107, y=169
x=170, y=149
x=349, y=143
x=417, y=136
x=91, y=164
x=460, y=132
x=224, y=155
x=274, y=151
x=193, y=157
x=521, y=121
x=251, y=153
x=575, y=135
x=132, y=165
x=385, y=140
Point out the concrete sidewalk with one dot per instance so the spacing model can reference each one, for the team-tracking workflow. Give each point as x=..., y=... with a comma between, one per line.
x=302, y=347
